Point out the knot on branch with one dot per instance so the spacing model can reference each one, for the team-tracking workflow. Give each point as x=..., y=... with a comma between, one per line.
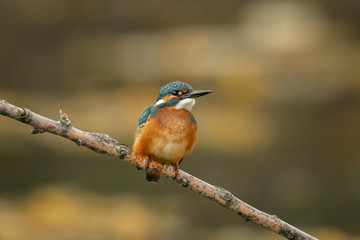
x=184, y=182
x=225, y=195
x=24, y=115
x=64, y=120
x=244, y=216
x=37, y=130
x=288, y=233
x=122, y=153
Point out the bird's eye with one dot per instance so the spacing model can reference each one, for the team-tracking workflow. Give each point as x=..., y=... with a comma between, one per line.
x=175, y=92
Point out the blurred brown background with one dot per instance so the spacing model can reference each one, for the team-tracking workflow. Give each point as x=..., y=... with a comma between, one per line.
x=281, y=130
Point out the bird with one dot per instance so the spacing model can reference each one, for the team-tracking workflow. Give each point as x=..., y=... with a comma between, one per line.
x=167, y=129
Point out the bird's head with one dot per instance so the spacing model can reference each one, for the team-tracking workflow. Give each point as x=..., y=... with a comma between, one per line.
x=179, y=95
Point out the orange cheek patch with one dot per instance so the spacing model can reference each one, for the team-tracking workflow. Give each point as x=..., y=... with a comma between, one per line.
x=168, y=97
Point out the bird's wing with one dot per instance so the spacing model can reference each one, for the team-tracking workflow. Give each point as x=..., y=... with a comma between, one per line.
x=148, y=111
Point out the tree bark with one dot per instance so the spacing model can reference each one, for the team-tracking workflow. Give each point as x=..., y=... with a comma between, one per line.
x=102, y=143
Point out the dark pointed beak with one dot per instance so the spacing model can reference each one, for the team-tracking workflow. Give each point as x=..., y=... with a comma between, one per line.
x=196, y=93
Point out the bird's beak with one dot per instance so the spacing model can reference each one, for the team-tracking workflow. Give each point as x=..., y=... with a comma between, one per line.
x=196, y=93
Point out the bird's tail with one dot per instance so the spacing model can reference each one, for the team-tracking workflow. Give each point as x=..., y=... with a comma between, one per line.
x=152, y=176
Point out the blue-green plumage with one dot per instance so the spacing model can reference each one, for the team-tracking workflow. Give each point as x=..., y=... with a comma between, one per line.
x=170, y=103
x=151, y=110
x=170, y=87
x=148, y=111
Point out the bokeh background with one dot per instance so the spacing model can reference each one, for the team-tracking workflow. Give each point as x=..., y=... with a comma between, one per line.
x=281, y=130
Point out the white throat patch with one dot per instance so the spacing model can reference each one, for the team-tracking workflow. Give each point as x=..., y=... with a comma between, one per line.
x=159, y=102
x=187, y=103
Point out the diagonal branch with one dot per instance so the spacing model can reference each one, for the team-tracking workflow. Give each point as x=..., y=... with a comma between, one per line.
x=102, y=143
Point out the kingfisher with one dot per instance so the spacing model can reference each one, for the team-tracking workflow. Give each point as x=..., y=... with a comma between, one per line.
x=167, y=129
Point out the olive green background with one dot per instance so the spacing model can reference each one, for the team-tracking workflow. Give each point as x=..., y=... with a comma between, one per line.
x=281, y=130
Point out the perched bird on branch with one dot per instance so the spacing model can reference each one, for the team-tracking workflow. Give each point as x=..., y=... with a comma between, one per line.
x=167, y=130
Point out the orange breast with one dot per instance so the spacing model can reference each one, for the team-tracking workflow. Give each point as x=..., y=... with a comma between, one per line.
x=168, y=137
